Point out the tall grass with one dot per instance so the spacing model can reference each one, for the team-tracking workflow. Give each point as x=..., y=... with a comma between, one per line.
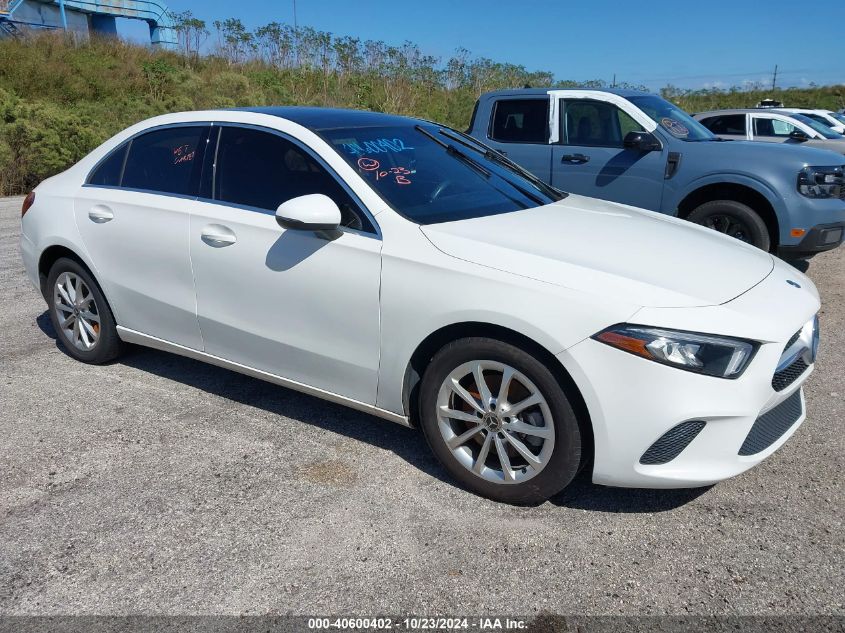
x=60, y=97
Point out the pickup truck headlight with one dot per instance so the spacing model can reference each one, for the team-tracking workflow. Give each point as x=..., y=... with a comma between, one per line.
x=821, y=182
x=720, y=356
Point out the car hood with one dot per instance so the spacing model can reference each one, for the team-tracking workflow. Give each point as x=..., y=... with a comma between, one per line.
x=608, y=249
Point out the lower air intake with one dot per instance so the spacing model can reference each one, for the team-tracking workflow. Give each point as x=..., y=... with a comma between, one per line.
x=672, y=442
x=785, y=377
x=770, y=426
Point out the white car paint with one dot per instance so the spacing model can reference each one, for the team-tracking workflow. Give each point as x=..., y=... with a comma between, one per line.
x=786, y=118
x=341, y=319
x=832, y=122
x=647, y=123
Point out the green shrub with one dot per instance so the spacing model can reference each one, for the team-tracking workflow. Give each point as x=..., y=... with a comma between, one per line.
x=60, y=97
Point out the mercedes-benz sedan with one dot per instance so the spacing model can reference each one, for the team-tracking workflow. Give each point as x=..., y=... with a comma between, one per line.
x=402, y=268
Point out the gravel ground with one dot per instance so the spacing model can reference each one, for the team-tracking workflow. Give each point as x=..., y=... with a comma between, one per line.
x=162, y=485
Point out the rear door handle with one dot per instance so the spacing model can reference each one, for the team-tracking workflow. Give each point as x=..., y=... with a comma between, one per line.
x=100, y=214
x=218, y=236
x=575, y=159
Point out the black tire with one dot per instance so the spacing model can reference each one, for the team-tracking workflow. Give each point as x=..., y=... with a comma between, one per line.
x=735, y=219
x=108, y=345
x=565, y=459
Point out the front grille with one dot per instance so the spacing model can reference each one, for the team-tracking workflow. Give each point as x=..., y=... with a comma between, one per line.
x=785, y=377
x=770, y=426
x=672, y=442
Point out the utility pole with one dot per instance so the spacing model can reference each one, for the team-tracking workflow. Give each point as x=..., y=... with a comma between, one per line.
x=775, y=77
x=295, y=25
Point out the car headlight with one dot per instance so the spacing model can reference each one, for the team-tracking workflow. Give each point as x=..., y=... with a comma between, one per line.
x=720, y=356
x=821, y=182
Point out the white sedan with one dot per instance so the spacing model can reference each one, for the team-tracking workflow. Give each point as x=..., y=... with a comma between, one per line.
x=401, y=268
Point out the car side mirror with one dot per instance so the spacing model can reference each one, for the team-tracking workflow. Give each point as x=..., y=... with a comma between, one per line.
x=314, y=212
x=798, y=135
x=642, y=141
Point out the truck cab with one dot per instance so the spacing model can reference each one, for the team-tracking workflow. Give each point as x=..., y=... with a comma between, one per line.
x=639, y=149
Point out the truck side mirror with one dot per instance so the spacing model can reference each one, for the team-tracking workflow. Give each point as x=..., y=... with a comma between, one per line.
x=642, y=141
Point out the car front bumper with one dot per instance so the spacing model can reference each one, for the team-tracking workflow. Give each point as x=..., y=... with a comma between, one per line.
x=820, y=238
x=633, y=402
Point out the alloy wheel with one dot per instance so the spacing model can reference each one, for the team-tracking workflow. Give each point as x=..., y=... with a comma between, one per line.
x=729, y=225
x=495, y=421
x=76, y=311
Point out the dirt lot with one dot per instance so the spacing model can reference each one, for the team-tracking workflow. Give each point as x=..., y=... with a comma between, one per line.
x=162, y=485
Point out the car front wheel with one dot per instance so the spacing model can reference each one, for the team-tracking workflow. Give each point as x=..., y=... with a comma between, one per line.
x=499, y=421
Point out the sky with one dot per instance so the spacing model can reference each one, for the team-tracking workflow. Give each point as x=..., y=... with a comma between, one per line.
x=689, y=45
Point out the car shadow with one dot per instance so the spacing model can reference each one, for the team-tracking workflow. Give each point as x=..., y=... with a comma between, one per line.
x=406, y=443
x=583, y=494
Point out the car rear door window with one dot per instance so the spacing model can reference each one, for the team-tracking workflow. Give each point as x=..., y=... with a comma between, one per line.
x=108, y=173
x=725, y=124
x=521, y=121
x=168, y=160
x=262, y=170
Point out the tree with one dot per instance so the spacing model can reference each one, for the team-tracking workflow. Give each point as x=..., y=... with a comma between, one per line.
x=234, y=42
x=191, y=31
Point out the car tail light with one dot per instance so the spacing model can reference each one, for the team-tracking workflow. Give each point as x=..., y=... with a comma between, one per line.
x=27, y=203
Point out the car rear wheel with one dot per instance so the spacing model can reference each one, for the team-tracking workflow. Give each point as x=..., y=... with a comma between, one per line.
x=499, y=421
x=735, y=219
x=80, y=315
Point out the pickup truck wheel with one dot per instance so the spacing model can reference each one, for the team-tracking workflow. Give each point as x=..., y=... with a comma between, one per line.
x=499, y=421
x=735, y=219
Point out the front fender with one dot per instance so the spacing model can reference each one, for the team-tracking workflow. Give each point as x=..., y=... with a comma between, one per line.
x=672, y=202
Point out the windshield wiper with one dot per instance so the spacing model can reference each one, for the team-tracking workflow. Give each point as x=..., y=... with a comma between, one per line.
x=454, y=151
x=498, y=158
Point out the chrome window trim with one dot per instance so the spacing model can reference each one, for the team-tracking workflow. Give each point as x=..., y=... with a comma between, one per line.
x=220, y=124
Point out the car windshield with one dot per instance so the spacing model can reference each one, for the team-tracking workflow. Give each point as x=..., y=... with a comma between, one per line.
x=837, y=116
x=431, y=174
x=672, y=119
x=825, y=131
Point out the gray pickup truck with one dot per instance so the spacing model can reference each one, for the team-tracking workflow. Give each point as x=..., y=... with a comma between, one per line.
x=639, y=149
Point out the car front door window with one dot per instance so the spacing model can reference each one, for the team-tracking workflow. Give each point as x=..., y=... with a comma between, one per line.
x=774, y=128
x=591, y=159
x=262, y=170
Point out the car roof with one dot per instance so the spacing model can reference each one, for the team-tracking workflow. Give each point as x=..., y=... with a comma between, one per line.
x=543, y=91
x=330, y=118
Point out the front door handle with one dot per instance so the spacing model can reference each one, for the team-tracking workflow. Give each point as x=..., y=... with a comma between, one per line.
x=100, y=214
x=575, y=159
x=218, y=236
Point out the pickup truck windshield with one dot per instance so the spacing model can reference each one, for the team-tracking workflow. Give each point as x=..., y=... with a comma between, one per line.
x=672, y=119
x=430, y=174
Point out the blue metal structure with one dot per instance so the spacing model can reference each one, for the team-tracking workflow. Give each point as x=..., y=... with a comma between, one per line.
x=88, y=16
